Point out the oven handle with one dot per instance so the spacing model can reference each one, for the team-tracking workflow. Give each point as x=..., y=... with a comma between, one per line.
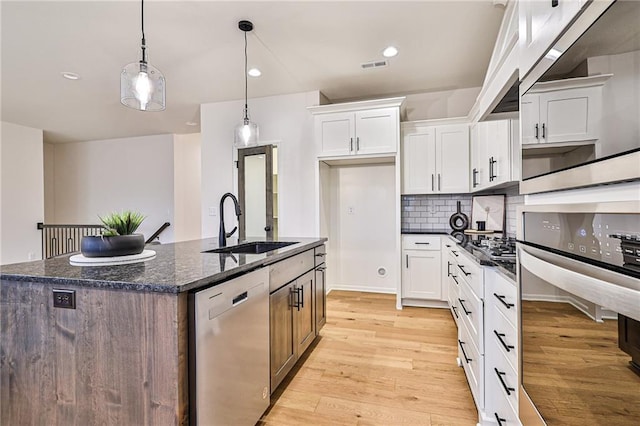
x=612, y=290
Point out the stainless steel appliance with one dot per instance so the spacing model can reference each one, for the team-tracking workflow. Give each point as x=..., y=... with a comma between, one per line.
x=229, y=351
x=580, y=114
x=579, y=276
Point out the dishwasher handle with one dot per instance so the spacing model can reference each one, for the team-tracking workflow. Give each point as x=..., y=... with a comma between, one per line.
x=242, y=297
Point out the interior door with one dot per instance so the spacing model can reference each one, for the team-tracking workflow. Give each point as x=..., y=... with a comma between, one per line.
x=256, y=191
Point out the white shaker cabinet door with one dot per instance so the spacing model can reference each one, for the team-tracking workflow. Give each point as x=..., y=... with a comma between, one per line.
x=376, y=131
x=421, y=275
x=418, y=162
x=336, y=134
x=452, y=159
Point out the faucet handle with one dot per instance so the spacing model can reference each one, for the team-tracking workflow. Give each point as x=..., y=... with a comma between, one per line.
x=230, y=233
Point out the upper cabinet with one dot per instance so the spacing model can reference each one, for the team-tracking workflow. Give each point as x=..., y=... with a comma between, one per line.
x=435, y=159
x=540, y=23
x=368, y=128
x=561, y=111
x=495, y=154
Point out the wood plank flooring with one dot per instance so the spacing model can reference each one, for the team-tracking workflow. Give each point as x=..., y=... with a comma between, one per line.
x=375, y=365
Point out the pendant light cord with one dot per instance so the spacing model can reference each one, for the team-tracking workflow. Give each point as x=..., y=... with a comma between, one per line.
x=245, y=77
x=144, y=43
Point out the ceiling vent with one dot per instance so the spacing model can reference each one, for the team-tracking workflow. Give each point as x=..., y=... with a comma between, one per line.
x=374, y=64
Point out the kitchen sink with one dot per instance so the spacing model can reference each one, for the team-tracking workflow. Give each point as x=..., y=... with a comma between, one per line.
x=253, y=247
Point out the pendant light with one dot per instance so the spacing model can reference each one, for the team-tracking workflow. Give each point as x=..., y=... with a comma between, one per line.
x=246, y=133
x=142, y=85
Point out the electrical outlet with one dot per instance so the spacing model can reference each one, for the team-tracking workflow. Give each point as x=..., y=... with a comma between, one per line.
x=64, y=299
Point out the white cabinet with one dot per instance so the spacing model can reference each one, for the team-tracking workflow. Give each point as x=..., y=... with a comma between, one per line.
x=540, y=23
x=562, y=111
x=361, y=128
x=501, y=356
x=495, y=153
x=435, y=160
x=421, y=267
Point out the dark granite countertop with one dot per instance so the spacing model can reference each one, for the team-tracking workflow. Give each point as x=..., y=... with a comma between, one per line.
x=426, y=231
x=177, y=267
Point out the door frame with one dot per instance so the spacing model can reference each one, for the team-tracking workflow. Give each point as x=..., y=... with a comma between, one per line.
x=267, y=151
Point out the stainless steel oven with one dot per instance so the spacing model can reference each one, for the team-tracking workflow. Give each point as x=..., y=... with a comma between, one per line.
x=580, y=106
x=579, y=281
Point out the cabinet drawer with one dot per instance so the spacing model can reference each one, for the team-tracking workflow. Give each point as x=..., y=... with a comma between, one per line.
x=320, y=253
x=501, y=332
x=471, y=312
x=473, y=364
x=501, y=409
x=287, y=270
x=421, y=242
x=502, y=377
x=502, y=293
x=471, y=273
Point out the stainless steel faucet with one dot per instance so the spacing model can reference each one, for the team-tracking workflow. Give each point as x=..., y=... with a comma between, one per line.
x=222, y=234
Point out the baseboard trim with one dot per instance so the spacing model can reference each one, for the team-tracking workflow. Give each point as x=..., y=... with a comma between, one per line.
x=391, y=290
x=419, y=303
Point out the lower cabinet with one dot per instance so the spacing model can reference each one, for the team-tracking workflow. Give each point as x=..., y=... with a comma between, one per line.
x=304, y=321
x=484, y=306
x=282, y=339
x=297, y=294
x=422, y=280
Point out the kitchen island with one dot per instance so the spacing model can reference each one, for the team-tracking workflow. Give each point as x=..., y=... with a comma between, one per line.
x=121, y=355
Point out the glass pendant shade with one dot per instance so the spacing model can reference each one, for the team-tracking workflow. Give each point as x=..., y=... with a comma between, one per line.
x=246, y=134
x=142, y=87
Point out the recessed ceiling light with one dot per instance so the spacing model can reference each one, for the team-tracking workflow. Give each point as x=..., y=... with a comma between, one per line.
x=254, y=72
x=70, y=75
x=191, y=123
x=389, y=52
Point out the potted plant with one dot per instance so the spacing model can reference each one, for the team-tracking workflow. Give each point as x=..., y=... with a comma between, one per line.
x=118, y=238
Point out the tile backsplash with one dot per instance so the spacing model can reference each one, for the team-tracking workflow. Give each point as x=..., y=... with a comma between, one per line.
x=432, y=212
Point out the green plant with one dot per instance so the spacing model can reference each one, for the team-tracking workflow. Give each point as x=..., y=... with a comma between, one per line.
x=124, y=223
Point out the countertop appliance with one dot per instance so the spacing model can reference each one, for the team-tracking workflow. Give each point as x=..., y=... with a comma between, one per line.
x=580, y=105
x=579, y=279
x=229, y=351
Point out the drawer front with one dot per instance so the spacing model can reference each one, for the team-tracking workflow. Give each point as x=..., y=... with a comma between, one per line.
x=453, y=299
x=320, y=254
x=501, y=409
x=421, y=242
x=502, y=378
x=471, y=273
x=472, y=362
x=287, y=270
x=501, y=332
x=503, y=294
x=471, y=312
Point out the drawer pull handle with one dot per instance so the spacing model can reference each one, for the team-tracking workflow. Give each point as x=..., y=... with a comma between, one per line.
x=321, y=255
x=466, y=274
x=501, y=299
x=500, y=420
x=426, y=244
x=500, y=336
x=454, y=278
x=463, y=308
x=455, y=253
x=448, y=268
x=464, y=354
x=504, y=385
x=455, y=311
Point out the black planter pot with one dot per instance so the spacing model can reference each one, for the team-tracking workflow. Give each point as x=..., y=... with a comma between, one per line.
x=118, y=245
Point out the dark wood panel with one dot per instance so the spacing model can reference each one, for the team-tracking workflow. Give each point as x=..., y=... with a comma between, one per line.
x=282, y=342
x=304, y=319
x=119, y=358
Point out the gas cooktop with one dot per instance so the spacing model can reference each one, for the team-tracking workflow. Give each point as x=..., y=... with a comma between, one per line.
x=499, y=249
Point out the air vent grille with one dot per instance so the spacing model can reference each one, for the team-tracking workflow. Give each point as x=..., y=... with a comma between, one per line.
x=374, y=64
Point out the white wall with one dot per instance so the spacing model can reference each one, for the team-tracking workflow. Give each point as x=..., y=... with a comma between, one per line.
x=283, y=119
x=98, y=177
x=49, y=184
x=22, y=193
x=362, y=217
x=187, y=177
x=445, y=104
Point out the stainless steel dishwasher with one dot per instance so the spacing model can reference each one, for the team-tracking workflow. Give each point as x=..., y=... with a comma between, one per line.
x=229, y=351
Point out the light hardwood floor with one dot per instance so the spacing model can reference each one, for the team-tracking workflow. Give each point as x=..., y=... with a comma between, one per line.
x=375, y=365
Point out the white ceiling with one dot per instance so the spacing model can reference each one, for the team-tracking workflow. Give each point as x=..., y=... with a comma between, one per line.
x=299, y=46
